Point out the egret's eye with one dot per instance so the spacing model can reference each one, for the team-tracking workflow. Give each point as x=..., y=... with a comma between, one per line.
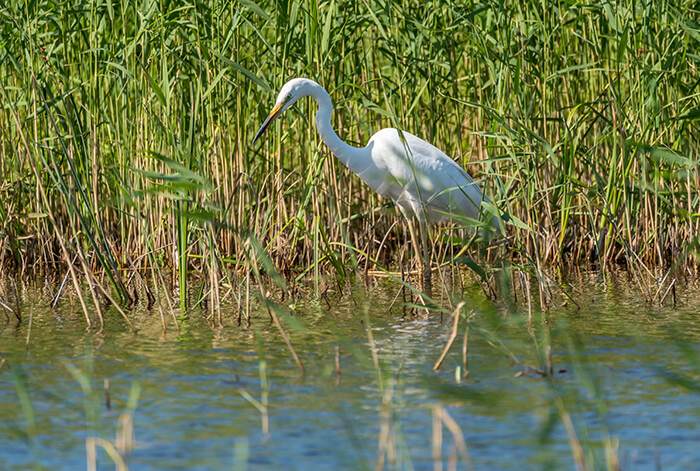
x=288, y=97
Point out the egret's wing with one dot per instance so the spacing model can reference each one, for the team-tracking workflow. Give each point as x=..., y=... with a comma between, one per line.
x=420, y=175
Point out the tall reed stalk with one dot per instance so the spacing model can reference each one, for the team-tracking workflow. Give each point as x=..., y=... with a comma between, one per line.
x=126, y=131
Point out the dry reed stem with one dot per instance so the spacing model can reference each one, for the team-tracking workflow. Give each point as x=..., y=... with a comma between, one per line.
x=45, y=200
x=437, y=439
x=453, y=336
x=387, y=440
x=91, y=445
x=444, y=418
x=574, y=443
x=285, y=336
x=125, y=434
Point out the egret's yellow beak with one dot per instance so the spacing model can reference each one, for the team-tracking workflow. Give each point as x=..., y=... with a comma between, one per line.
x=276, y=111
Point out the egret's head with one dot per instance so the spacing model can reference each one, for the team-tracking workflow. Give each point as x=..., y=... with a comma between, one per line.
x=290, y=93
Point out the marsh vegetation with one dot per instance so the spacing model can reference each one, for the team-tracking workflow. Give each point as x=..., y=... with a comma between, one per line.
x=131, y=191
x=127, y=128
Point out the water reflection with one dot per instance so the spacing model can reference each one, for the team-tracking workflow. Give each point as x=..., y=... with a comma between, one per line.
x=623, y=370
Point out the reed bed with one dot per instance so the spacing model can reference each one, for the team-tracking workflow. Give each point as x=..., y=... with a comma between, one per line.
x=126, y=135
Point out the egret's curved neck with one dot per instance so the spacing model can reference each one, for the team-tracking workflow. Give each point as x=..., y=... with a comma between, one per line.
x=343, y=151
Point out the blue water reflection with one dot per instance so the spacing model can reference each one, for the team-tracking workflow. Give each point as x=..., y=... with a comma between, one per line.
x=191, y=413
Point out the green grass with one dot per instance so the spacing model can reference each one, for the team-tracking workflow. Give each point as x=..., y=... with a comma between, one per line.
x=127, y=128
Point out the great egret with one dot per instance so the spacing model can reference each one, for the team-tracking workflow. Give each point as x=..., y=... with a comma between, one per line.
x=421, y=179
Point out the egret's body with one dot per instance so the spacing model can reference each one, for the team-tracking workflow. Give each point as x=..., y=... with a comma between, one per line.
x=421, y=179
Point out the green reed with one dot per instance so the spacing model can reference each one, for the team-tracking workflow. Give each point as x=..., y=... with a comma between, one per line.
x=127, y=128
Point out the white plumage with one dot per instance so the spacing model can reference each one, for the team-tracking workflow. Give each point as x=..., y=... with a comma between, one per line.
x=421, y=179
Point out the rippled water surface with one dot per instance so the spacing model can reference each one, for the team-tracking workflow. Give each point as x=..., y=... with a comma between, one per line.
x=626, y=380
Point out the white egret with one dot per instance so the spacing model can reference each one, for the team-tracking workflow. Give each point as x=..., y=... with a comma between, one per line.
x=417, y=176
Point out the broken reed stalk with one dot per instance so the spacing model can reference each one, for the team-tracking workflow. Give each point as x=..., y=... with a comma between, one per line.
x=110, y=448
x=442, y=417
x=452, y=338
x=285, y=336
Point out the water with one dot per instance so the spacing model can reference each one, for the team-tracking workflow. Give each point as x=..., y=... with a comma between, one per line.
x=618, y=362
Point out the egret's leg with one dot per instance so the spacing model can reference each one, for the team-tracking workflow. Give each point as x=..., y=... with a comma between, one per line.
x=414, y=240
